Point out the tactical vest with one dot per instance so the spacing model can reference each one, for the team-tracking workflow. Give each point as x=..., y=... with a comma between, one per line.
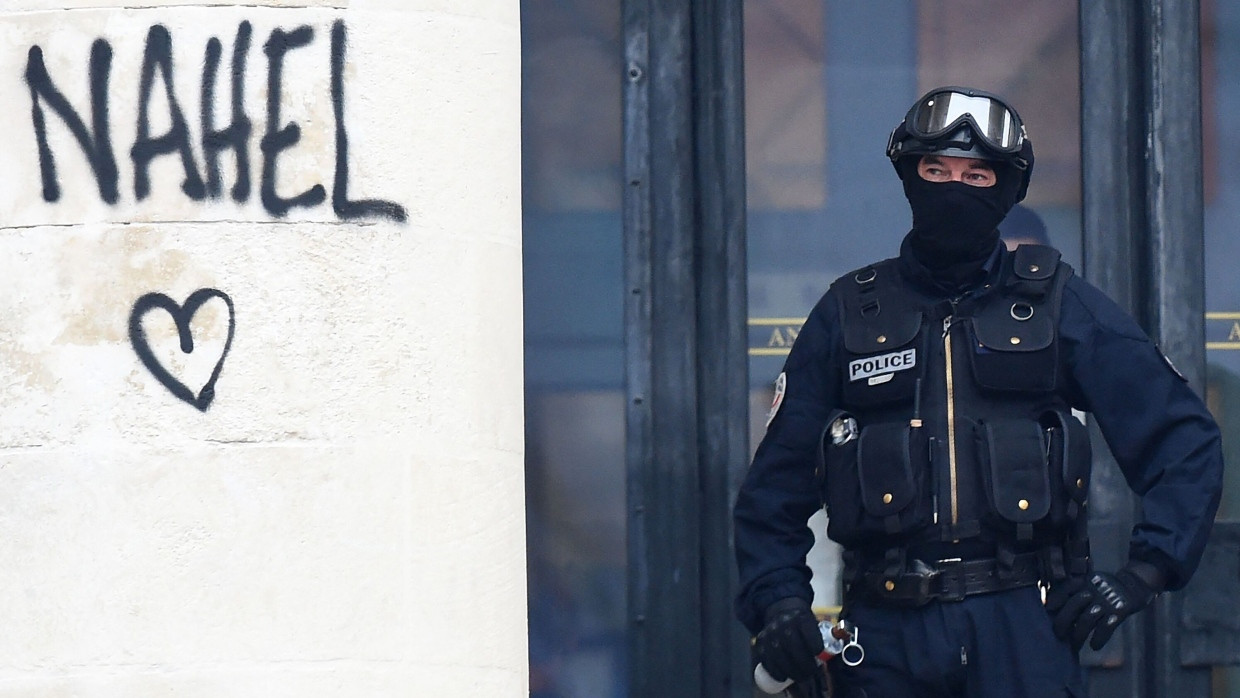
x=951, y=426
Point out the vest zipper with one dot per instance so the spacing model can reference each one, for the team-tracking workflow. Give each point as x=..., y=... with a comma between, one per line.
x=951, y=417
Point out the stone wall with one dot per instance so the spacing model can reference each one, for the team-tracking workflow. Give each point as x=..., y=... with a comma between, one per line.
x=260, y=349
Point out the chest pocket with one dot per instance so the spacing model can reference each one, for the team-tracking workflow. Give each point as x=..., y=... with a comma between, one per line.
x=1015, y=347
x=882, y=340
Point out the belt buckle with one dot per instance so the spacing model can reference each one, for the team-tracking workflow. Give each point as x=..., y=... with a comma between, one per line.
x=919, y=581
x=951, y=582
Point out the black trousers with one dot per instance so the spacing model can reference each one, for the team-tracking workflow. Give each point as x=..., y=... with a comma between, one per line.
x=997, y=645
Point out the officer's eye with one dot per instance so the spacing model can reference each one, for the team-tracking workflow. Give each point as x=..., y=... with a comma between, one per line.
x=933, y=173
x=980, y=178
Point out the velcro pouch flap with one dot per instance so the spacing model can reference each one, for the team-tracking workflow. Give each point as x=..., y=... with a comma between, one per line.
x=884, y=332
x=887, y=484
x=1016, y=455
x=999, y=328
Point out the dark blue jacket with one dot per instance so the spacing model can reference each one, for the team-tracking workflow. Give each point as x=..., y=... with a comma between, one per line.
x=1160, y=432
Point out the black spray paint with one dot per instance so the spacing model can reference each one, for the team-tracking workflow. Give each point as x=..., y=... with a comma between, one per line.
x=181, y=315
x=97, y=147
x=237, y=135
x=344, y=208
x=278, y=137
x=158, y=54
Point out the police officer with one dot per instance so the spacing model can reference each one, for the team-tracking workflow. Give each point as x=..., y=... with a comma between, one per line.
x=927, y=403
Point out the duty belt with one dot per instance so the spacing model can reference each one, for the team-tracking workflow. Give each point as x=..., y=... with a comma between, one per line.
x=944, y=580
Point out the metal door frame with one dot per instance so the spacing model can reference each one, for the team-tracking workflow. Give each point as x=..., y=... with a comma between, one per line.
x=1143, y=227
x=686, y=352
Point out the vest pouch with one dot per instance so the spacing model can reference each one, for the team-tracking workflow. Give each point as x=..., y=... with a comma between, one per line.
x=1013, y=454
x=1015, y=326
x=1070, y=453
x=1011, y=354
x=887, y=500
x=840, y=482
x=881, y=324
x=884, y=363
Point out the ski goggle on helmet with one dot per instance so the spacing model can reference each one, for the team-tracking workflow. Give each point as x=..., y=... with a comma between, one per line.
x=935, y=124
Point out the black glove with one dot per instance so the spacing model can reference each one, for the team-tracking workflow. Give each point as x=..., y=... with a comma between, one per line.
x=1100, y=602
x=790, y=642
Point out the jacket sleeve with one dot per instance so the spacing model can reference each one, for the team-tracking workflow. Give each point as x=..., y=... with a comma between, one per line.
x=779, y=492
x=1160, y=432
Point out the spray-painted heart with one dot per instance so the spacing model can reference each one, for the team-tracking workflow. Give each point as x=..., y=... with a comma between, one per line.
x=181, y=315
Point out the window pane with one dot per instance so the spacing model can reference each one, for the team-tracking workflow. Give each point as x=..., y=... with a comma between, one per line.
x=571, y=136
x=1220, y=97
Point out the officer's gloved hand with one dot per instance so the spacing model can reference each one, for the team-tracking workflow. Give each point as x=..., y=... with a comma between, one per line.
x=790, y=641
x=1100, y=602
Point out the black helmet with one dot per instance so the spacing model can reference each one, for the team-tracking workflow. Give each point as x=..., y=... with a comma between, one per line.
x=964, y=122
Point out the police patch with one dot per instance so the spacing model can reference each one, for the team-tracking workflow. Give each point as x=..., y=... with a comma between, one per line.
x=880, y=365
x=781, y=385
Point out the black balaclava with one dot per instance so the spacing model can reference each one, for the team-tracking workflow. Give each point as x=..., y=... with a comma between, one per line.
x=956, y=225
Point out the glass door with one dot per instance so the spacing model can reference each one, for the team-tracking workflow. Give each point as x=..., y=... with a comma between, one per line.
x=574, y=354
x=1220, y=100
